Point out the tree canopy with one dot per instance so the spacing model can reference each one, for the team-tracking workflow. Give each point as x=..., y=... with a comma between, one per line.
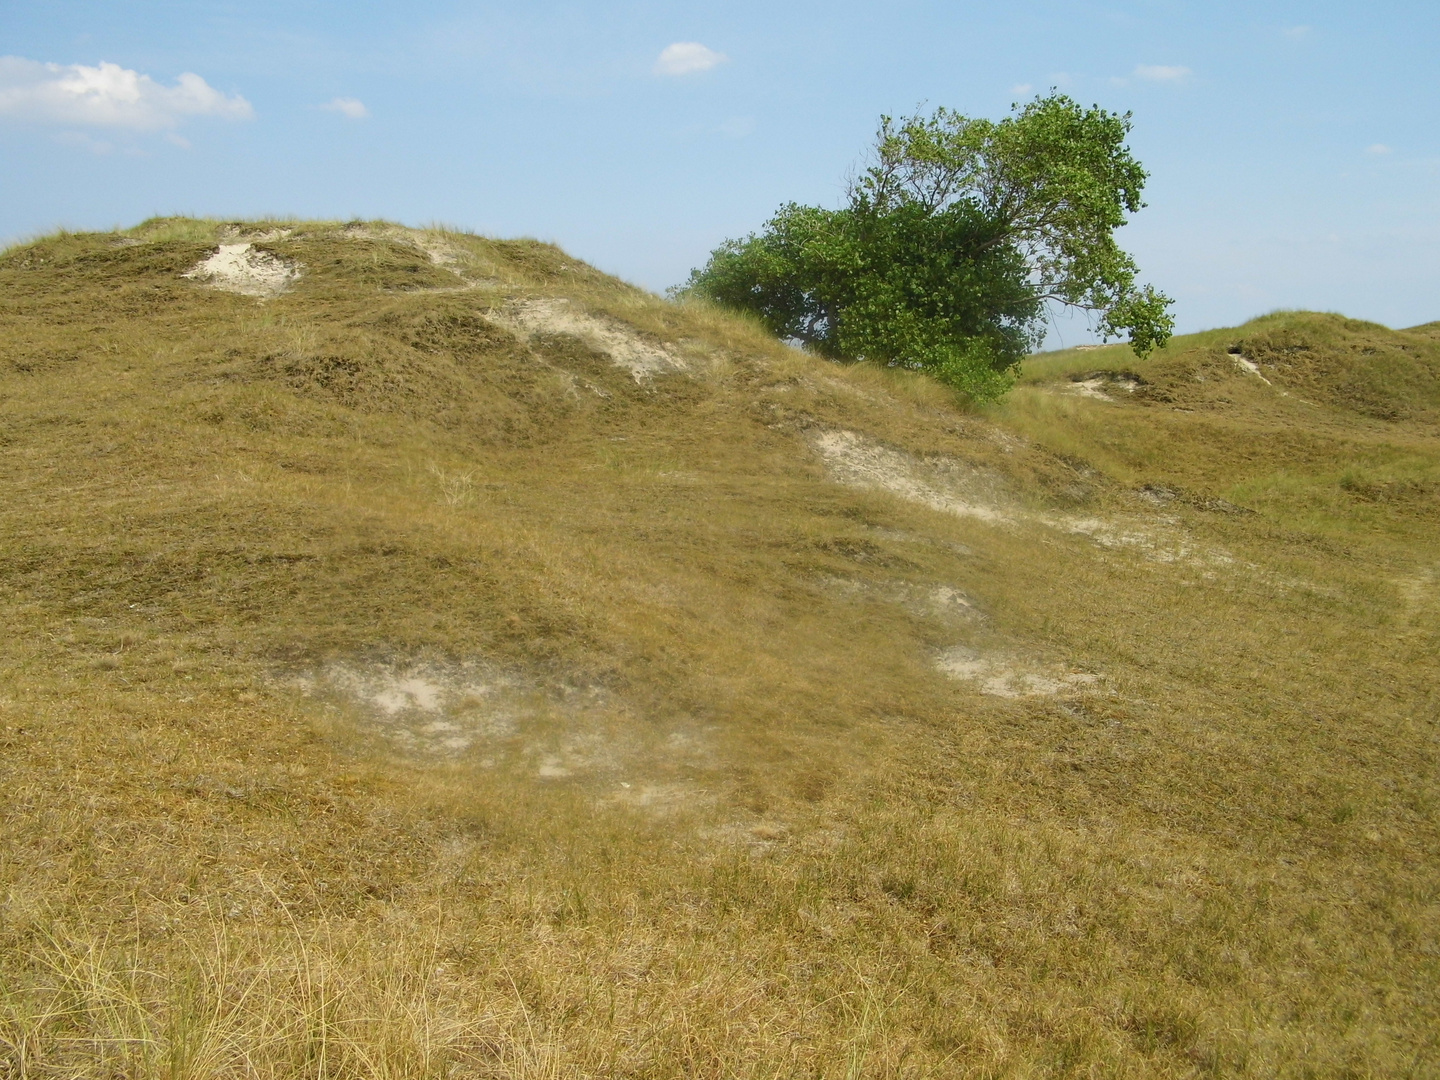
x=954, y=240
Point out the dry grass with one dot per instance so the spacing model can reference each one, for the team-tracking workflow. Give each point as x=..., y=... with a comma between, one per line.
x=694, y=797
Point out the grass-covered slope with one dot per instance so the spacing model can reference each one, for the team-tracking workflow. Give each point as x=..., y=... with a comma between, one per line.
x=1322, y=422
x=450, y=661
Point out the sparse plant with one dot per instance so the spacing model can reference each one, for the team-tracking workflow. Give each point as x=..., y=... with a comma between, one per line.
x=457, y=487
x=301, y=340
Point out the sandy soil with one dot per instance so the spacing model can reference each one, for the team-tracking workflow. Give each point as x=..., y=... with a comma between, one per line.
x=545, y=729
x=1008, y=678
x=955, y=488
x=241, y=268
x=1244, y=363
x=643, y=359
x=858, y=462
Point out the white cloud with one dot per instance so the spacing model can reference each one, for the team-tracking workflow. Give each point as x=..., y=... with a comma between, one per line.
x=1021, y=89
x=686, y=58
x=1377, y=148
x=1161, y=72
x=108, y=96
x=349, y=107
x=1296, y=32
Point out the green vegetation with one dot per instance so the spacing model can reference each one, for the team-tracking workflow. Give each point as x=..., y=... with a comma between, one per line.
x=955, y=239
x=463, y=664
x=1332, y=432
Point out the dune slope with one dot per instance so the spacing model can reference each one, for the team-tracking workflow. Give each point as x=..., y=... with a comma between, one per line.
x=428, y=656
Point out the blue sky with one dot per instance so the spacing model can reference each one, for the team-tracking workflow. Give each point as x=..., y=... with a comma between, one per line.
x=1294, y=148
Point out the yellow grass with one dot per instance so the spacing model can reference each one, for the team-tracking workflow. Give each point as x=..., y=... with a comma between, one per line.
x=700, y=801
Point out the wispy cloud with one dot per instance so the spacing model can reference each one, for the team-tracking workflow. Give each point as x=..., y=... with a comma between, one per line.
x=686, y=58
x=348, y=107
x=1021, y=89
x=1296, y=32
x=1161, y=72
x=1377, y=148
x=108, y=96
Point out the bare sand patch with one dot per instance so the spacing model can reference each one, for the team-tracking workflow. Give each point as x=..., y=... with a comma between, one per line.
x=477, y=712
x=244, y=269
x=953, y=487
x=1091, y=388
x=1155, y=541
x=425, y=709
x=1245, y=364
x=1010, y=678
x=1101, y=385
x=946, y=486
x=625, y=347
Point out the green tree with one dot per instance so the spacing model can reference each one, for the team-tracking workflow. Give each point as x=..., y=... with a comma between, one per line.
x=953, y=242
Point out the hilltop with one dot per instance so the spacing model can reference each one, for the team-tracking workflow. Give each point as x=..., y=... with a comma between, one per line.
x=430, y=656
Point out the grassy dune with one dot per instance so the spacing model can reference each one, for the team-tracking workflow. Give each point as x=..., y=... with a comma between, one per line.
x=402, y=679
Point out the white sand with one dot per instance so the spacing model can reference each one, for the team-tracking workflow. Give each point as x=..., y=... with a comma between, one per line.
x=240, y=268
x=626, y=348
x=1007, y=678
x=858, y=462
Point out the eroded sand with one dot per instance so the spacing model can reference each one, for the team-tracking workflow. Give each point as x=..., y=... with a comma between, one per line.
x=1010, y=678
x=244, y=269
x=626, y=348
x=857, y=461
x=495, y=718
x=955, y=488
